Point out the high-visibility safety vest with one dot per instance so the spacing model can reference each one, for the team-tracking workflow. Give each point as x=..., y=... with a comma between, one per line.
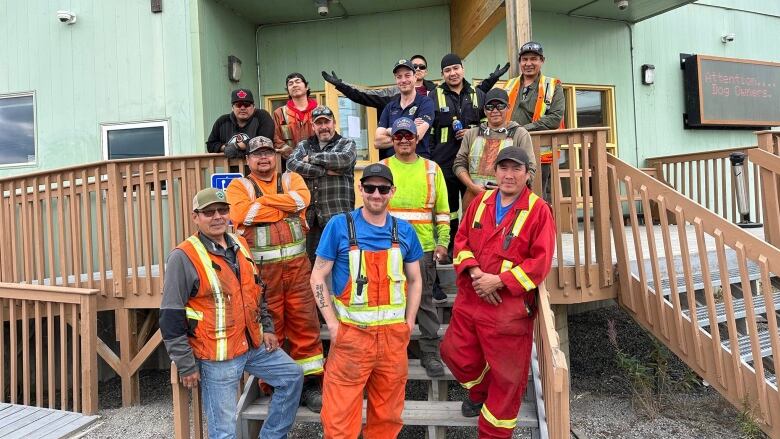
x=424, y=214
x=375, y=296
x=444, y=132
x=544, y=97
x=517, y=227
x=274, y=242
x=226, y=307
x=480, y=166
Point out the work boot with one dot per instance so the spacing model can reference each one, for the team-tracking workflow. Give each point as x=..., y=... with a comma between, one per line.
x=311, y=397
x=439, y=296
x=470, y=408
x=432, y=364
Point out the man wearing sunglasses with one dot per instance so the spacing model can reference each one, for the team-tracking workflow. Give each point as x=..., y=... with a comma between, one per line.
x=326, y=161
x=268, y=209
x=370, y=307
x=232, y=131
x=215, y=324
x=379, y=97
x=480, y=146
x=421, y=199
x=503, y=250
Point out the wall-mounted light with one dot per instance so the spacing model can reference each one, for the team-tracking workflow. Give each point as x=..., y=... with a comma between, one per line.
x=648, y=74
x=234, y=68
x=727, y=38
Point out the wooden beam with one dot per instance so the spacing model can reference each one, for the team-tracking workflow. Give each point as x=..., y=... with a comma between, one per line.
x=518, y=31
x=471, y=21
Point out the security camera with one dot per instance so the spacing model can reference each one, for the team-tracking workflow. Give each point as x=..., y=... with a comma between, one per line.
x=322, y=7
x=727, y=38
x=66, y=17
x=621, y=4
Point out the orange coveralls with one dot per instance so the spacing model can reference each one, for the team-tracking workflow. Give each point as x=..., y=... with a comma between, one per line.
x=274, y=224
x=488, y=347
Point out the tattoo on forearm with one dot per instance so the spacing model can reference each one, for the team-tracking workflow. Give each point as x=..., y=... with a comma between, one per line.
x=319, y=295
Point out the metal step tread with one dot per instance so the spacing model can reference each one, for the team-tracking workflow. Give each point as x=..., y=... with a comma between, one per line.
x=740, y=310
x=743, y=343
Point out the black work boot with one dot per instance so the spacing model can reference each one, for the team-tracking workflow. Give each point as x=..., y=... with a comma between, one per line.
x=439, y=296
x=470, y=408
x=432, y=364
x=311, y=396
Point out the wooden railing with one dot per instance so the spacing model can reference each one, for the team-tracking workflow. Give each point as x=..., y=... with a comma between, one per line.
x=584, y=269
x=706, y=178
x=553, y=369
x=670, y=253
x=51, y=347
x=187, y=409
x=767, y=158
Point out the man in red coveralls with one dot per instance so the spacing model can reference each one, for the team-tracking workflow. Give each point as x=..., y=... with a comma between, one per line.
x=503, y=250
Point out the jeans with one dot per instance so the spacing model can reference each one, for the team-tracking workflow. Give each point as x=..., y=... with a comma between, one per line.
x=219, y=381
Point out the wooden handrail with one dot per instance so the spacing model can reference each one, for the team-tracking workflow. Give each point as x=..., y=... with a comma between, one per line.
x=553, y=368
x=50, y=311
x=698, y=155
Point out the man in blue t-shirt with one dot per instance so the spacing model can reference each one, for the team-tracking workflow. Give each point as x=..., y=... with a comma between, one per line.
x=370, y=309
x=409, y=104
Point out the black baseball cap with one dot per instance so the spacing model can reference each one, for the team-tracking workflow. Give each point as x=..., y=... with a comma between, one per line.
x=403, y=63
x=497, y=94
x=531, y=46
x=513, y=153
x=241, y=95
x=377, y=170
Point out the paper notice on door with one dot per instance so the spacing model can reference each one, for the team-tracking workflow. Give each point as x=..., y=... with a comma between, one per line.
x=353, y=127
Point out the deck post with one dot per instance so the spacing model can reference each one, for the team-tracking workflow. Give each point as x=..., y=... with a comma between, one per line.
x=116, y=221
x=89, y=389
x=770, y=186
x=127, y=333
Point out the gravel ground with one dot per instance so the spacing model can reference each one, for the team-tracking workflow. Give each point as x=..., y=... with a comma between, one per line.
x=601, y=403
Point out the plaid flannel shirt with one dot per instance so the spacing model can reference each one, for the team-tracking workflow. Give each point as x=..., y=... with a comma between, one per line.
x=330, y=194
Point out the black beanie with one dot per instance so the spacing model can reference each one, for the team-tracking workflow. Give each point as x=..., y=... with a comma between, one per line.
x=449, y=60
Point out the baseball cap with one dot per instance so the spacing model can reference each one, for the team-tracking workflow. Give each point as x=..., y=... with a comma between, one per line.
x=403, y=124
x=403, y=63
x=497, y=94
x=207, y=197
x=259, y=142
x=377, y=170
x=321, y=111
x=241, y=95
x=514, y=153
x=531, y=46
x=450, y=59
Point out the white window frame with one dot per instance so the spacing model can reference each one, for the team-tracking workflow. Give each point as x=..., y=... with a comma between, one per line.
x=35, y=129
x=106, y=127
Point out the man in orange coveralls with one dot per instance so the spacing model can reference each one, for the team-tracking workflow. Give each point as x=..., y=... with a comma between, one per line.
x=268, y=209
x=503, y=250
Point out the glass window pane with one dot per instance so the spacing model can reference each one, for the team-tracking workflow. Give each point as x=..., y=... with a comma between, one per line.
x=353, y=123
x=17, y=130
x=277, y=103
x=591, y=108
x=136, y=142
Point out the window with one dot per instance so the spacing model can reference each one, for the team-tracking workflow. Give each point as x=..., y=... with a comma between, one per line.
x=592, y=106
x=272, y=102
x=133, y=140
x=17, y=129
x=353, y=121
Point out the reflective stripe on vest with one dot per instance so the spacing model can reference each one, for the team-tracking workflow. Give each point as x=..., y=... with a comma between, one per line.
x=424, y=214
x=544, y=96
x=442, y=101
x=476, y=156
x=219, y=300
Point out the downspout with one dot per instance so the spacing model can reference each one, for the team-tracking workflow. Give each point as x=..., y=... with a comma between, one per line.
x=633, y=90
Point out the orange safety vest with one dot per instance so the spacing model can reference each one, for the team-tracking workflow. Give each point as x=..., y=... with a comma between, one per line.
x=376, y=296
x=226, y=307
x=544, y=97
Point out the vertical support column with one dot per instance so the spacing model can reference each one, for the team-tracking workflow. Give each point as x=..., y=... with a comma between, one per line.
x=770, y=186
x=600, y=188
x=127, y=333
x=116, y=221
x=561, y=313
x=89, y=385
x=518, y=31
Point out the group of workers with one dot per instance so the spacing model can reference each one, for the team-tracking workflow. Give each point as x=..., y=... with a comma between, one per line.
x=247, y=301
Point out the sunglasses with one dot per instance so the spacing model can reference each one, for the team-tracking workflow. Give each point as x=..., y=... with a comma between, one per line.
x=370, y=188
x=321, y=112
x=209, y=213
x=404, y=136
x=420, y=66
x=499, y=107
x=243, y=104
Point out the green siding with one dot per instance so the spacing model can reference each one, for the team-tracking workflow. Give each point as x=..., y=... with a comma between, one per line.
x=118, y=63
x=223, y=33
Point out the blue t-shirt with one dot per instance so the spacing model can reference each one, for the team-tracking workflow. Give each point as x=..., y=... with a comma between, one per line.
x=421, y=107
x=334, y=244
x=500, y=210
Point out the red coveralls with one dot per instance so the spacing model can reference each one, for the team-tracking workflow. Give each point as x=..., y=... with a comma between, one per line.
x=487, y=347
x=273, y=223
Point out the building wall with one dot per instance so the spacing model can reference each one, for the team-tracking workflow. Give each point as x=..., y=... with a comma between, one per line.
x=695, y=29
x=118, y=63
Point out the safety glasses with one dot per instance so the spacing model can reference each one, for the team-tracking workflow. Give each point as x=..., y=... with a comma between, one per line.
x=370, y=188
x=498, y=106
x=403, y=136
x=209, y=213
x=420, y=66
x=321, y=111
x=243, y=104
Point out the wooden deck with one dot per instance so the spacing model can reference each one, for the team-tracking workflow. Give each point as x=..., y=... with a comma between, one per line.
x=21, y=421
